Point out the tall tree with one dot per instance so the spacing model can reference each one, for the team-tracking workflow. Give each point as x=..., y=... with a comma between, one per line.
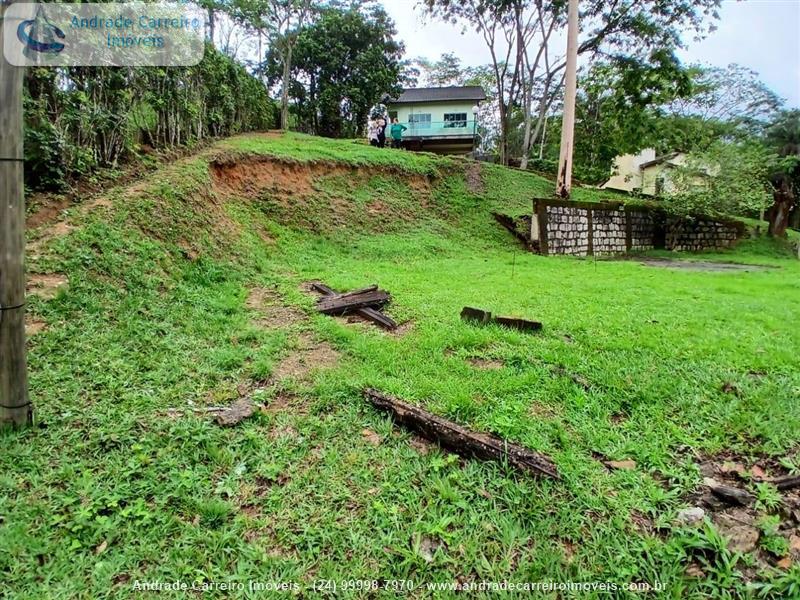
x=281, y=21
x=345, y=62
x=725, y=103
x=733, y=93
x=519, y=35
x=617, y=109
x=500, y=23
x=445, y=71
x=726, y=179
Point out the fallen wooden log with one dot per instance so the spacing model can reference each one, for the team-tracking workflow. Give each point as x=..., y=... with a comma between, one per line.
x=322, y=289
x=460, y=439
x=521, y=324
x=368, y=313
x=475, y=315
x=482, y=317
x=728, y=494
x=369, y=288
x=340, y=305
x=786, y=483
x=377, y=317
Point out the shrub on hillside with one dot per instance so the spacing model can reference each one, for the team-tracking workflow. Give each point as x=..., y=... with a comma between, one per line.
x=81, y=118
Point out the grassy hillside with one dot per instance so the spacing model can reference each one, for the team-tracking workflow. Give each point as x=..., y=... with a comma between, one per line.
x=188, y=289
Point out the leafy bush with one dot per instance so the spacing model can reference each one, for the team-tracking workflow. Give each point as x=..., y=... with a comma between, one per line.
x=727, y=179
x=81, y=118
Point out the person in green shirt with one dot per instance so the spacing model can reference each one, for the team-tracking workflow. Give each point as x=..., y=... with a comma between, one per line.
x=397, y=133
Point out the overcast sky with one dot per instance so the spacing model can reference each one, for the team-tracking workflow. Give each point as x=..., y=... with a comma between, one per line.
x=763, y=35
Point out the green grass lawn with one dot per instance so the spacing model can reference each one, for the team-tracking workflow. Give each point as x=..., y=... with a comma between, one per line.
x=123, y=480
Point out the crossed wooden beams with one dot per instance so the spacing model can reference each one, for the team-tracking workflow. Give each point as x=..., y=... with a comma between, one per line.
x=366, y=302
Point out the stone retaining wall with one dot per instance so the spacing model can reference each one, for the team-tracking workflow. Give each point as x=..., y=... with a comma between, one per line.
x=698, y=235
x=643, y=230
x=586, y=228
x=608, y=231
x=570, y=227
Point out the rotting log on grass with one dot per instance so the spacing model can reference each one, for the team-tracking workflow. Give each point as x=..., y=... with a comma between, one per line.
x=460, y=439
x=369, y=313
x=482, y=317
x=342, y=304
x=728, y=494
x=786, y=483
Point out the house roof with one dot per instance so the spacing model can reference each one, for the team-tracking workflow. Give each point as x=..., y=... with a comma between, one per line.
x=658, y=160
x=440, y=94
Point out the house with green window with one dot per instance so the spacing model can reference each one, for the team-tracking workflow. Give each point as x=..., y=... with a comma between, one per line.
x=441, y=119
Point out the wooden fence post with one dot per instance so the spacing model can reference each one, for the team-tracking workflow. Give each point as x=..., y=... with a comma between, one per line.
x=15, y=408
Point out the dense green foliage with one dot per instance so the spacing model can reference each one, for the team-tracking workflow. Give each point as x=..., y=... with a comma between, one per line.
x=115, y=487
x=628, y=104
x=345, y=61
x=783, y=137
x=81, y=118
x=518, y=35
x=725, y=179
x=617, y=111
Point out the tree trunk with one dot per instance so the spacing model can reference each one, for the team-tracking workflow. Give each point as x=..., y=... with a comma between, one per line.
x=287, y=73
x=778, y=214
x=503, y=142
x=564, y=181
x=794, y=218
x=211, y=24
x=526, y=140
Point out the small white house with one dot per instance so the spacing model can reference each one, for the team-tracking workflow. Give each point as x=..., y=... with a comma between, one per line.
x=441, y=119
x=644, y=172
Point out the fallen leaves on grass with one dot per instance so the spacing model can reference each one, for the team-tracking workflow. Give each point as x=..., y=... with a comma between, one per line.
x=371, y=437
x=623, y=465
x=235, y=413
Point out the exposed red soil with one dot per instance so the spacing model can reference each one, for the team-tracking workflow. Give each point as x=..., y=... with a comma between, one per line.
x=270, y=309
x=311, y=355
x=45, y=285
x=288, y=187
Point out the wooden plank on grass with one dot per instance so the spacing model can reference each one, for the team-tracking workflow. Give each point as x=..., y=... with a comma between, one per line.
x=370, y=314
x=482, y=317
x=370, y=288
x=786, y=483
x=521, y=324
x=334, y=305
x=476, y=315
x=377, y=317
x=729, y=494
x=461, y=440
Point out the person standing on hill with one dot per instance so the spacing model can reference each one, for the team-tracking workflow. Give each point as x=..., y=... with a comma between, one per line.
x=397, y=133
x=372, y=132
x=381, y=132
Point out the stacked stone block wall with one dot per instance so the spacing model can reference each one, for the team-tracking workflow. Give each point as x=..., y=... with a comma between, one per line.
x=582, y=229
x=608, y=231
x=570, y=230
x=643, y=230
x=698, y=234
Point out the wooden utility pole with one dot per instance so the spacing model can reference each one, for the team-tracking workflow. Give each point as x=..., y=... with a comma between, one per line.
x=564, y=181
x=15, y=408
